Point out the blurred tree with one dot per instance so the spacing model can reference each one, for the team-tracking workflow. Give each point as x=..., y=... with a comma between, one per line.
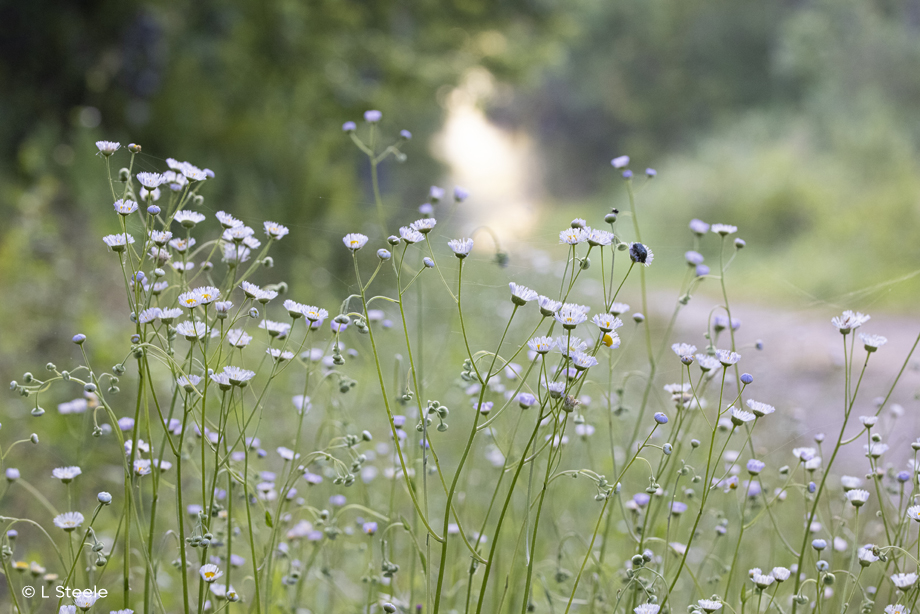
x=257, y=91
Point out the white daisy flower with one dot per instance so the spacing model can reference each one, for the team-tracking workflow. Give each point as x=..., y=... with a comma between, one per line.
x=68, y=520
x=160, y=237
x=192, y=330
x=424, y=225
x=274, y=230
x=235, y=254
x=740, y=416
x=618, y=309
x=849, y=482
x=875, y=450
x=149, y=315
x=573, y=236
x=237, y=337
x=541, y=345
x=709, y=606
x=279, y=355
x=569, y=345
x=151, y=180
x=760, y=409
x=521, y=295
x=237, y=376
x=897, y=609
x=118, y=243
x=727, y=357
x=623, y=162
x=762, y=581
x=354, y=241
x=857, y=497
x=904, y=581
x=804, y=454
x=210, y=573
x=600, y=237
x=607, y=322
x=222, y=380
x=149, y=195
x=169, y=315
x=410, y=235
x=723, y=229
x=683, y=349
x=872, y=343
x=275, y=329
x=461, y=247
x=84, y=600
x=142, y=466
x=189, y=219
x=182, y=245
x=571, y=315
x=189, y=300
x=583, y=361
x=781, y=574
x=866, y=555
x=207, y=294
x=849, y=321
x=226, y=220
x=555, y=388
x=707, y=362
x=66, y=474
x=237, y=234
x=188, y=382
x=107, y=148
x=315, y=314
x=547, y=305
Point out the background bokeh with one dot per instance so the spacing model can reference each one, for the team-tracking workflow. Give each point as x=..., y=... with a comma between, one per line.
x=795, y=120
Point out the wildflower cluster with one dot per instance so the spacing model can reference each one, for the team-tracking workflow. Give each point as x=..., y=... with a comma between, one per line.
x=405, y=451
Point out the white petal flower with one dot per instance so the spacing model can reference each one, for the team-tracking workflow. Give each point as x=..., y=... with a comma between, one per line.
x=857, y=497
x=461, y=247
x=274, y=230
x=68, y=520
x=573, y=236
x=354, y=241
x=723, y=229
x=904, y=581
x=760, y=409
x=849, y=321
x=66, y=474
x=521, y=295
x=210, y=573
